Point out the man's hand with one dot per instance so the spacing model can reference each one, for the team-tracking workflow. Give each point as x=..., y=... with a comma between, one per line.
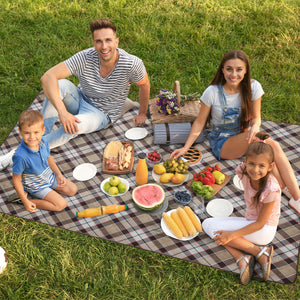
x=69, y=122
x=139, y=119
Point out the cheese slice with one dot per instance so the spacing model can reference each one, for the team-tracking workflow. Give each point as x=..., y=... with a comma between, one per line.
x=112, y=149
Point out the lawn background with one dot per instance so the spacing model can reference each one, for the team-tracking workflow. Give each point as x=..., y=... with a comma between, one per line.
x=177, y=40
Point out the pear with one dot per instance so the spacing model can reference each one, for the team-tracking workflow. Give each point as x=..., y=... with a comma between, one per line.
x=166, y=177
x=178, y=178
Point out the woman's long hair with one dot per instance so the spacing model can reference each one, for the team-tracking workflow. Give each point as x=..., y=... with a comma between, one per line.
x=246, y=94
x=257, y=148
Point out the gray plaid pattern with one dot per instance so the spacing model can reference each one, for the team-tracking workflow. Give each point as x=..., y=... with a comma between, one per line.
x=142, y=230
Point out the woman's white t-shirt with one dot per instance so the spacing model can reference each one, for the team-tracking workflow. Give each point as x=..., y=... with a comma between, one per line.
x=212, y=98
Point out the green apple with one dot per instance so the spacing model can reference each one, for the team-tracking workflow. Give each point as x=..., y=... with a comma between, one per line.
x=122, y=187
x=113, y=190
x=114, y=181
x=106, y=186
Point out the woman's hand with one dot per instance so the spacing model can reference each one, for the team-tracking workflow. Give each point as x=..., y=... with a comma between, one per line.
x=178, y=152
x=224, y=237
x=252, y=132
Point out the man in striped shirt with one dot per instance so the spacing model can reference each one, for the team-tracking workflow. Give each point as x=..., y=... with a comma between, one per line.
x=105, y=73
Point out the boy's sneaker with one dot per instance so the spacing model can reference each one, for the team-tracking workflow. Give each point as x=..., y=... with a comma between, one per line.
x=6, y=160
x=295, y=205
x=15, y=199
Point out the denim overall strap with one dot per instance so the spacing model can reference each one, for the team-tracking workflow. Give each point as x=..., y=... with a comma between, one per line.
x=228, y=126
x=223, y=98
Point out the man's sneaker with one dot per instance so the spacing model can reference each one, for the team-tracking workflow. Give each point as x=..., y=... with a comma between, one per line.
x=6, y=160
x=295, y=205
x=14, y=198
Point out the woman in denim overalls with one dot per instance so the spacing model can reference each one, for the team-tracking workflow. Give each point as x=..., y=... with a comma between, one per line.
x=232, y=102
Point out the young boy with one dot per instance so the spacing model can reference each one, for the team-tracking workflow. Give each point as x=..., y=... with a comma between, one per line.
x=34, y=170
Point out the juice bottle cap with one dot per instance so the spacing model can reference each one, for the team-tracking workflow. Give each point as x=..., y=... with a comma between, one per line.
x=142, y=155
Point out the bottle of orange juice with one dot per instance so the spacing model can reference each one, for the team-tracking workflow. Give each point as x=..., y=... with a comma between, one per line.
x=141, y=172
x=90, y=212
x=102, y=210
x=114, y=208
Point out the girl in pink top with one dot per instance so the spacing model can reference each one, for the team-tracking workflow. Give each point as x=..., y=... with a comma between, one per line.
x=242, y=236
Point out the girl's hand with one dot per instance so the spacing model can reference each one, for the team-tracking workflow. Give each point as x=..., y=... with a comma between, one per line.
x=61, y=180
x=30, y=206
x=223, y=237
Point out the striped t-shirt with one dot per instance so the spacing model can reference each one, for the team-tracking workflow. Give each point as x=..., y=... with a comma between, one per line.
x=109, y=93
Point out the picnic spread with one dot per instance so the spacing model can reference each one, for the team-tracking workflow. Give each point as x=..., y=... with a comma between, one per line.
x=137, y=226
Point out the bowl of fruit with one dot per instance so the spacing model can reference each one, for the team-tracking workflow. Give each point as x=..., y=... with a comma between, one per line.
x=183, y=197
x=153, y=157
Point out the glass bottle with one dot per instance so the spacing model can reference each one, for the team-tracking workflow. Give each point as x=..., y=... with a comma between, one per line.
x=141, y=175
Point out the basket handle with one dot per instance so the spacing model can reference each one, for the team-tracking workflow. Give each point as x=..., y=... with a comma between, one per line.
x=176, y=90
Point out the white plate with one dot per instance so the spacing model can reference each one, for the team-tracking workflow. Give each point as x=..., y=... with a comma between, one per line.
x=169, y=233
x=120, y=194
x=84, y=172
x=219, y=208
x=156, y=178
x=136, y=133
x=238, y=182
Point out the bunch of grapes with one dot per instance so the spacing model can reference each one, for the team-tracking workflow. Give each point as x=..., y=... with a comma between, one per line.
x=175, y=165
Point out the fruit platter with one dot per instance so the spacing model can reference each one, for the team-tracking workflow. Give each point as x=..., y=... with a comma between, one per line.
x=114, y=186
x=172, y=172
x=118, y=158
x=181, y=223
x=208, y=182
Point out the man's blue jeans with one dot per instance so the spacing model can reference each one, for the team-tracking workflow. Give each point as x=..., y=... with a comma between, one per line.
x=92, y=118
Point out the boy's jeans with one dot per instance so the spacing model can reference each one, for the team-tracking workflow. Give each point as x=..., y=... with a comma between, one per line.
x=92, y=119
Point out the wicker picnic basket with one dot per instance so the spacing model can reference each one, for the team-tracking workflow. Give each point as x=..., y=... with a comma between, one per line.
x=187, y=112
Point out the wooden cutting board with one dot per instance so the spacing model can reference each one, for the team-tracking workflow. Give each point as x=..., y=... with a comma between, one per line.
x=120, y=172
x=216, y=187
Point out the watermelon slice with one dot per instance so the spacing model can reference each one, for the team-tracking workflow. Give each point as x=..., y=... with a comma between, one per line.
x=148, y=196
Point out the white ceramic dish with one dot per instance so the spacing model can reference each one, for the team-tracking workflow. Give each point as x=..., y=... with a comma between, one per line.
x=136, y=133
x=169, y=233
x=120, y=194
x=156, y=177
x=219, y=208
x=84, y=172
x=238, y=183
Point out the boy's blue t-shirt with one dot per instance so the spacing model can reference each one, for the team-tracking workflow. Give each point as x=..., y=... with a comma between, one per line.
x=33, y=165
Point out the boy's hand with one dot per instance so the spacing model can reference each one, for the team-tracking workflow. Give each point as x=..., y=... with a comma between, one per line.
x=30, y=206
x=61, y=180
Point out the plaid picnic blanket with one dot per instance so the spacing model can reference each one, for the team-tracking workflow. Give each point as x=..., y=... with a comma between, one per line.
x=143, y=230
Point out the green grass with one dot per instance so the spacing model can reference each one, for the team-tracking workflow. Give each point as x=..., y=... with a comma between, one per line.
x=177, y=40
